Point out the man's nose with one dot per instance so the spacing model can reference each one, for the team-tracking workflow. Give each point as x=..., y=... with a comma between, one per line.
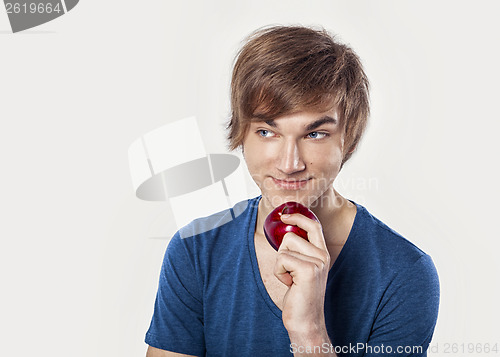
x=290, y=160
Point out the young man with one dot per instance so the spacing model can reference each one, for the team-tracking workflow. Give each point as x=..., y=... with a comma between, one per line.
x=356, y=287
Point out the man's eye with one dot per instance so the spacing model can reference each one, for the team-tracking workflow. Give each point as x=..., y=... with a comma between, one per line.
x=317, y=135
x=265, y=133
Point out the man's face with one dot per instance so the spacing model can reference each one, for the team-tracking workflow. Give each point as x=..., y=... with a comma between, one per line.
x=295, y=157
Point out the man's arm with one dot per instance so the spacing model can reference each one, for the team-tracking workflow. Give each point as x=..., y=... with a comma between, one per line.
x=303, y=266
x=177, y=322
x=155, y=352
x=408, y=315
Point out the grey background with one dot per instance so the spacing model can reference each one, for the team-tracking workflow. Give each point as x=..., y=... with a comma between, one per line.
x=24, y=18
x=79, y=275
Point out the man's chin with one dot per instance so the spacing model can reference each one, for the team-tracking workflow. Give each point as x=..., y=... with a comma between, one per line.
x=277, y=199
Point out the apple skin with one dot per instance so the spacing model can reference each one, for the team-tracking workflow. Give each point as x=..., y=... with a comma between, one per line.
x=275, y=229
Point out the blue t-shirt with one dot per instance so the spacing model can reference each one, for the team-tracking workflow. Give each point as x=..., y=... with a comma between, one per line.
x=382, y=292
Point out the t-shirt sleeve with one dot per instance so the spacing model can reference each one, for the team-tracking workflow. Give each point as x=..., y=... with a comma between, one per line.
x=177, y=322
x=408, y=312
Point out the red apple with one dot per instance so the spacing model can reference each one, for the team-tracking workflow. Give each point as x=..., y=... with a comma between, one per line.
x=275, y=229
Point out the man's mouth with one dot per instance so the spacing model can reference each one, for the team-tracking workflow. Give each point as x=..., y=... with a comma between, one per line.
x=290, y=184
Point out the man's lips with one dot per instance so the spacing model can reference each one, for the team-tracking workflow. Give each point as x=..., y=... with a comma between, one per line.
x=290, y=184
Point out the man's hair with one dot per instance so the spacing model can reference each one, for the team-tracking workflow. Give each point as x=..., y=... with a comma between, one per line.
x=287, y=69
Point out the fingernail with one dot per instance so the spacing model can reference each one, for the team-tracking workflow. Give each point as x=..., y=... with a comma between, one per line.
x=286, y=215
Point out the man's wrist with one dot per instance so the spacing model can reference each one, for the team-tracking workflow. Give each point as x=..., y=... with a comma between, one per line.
x=311, y=344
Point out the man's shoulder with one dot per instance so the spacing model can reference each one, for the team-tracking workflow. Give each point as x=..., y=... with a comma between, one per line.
x=201, y=236
x=225, y=220
x=385, y=244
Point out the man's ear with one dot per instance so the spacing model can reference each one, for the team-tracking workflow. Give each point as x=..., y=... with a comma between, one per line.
x=352, y=150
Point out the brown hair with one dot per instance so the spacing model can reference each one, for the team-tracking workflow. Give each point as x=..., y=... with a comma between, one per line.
x=286, y=69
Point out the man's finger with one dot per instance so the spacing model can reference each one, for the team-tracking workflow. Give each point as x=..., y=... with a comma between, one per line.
x=293, y=242
x=289, y=264
x=313, y=228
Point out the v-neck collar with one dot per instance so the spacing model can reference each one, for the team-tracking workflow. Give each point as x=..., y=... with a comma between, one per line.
x=255, y=265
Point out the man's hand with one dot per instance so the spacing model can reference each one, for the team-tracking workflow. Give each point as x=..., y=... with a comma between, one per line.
x=303, y=266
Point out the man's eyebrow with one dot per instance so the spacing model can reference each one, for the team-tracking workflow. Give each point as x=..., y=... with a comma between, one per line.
x=324, y=120
x=316, y=124
x=271, y=123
